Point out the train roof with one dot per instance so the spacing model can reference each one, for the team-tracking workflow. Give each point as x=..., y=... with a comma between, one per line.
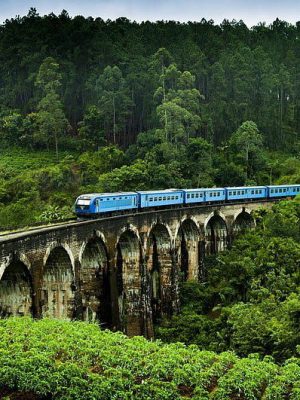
x=159, y=191
x=197, y=190
x=271, y=186
x=91, y=195
x=245, y=187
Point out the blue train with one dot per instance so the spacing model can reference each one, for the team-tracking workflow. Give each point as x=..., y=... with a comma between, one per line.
x=95, y=204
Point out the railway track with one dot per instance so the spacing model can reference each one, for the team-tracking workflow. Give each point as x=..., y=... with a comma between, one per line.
x=23, y=231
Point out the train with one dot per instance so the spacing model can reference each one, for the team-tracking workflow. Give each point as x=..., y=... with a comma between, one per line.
x=94, y=205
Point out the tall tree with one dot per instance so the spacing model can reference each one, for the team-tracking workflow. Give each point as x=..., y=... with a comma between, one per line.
x=246, y=145
x=51, y=118
x=114, y=101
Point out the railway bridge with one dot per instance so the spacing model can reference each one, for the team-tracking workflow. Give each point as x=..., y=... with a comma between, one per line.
x=123, y=271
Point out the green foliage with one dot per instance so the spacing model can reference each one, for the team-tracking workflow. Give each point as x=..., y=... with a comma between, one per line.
x=54, y=213
x=79, y=361
x=250, y=302
x=51, y=119
x=126, y=178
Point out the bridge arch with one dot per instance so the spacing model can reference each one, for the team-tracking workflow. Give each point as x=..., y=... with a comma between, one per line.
x=94, y=281
x=243, y=220
x=160, y=269
x=128, y=281
x=187, y=243
x=16, y=289
x=216, y=233
x=66, y=247
x=58, y=287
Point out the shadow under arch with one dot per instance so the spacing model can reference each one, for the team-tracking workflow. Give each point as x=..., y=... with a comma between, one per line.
x=160, y=268
x=95, y=283
x=243, y=222
x=16, y=290
x=58, y=288
x=127, y=283
x=216, y=235
x=189, y=250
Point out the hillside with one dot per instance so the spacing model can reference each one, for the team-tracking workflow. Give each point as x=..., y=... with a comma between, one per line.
x=51, y=359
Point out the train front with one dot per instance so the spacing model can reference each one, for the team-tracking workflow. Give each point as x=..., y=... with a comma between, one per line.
x=84, y=206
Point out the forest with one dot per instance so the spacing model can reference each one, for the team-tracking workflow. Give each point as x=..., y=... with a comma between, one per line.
x=88, y=105
x=93, y=105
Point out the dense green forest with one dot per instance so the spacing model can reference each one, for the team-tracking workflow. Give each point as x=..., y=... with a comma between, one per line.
x=93, y=105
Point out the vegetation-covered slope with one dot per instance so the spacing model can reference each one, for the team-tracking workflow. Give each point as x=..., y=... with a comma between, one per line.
x=250, y=301
x=74, y=360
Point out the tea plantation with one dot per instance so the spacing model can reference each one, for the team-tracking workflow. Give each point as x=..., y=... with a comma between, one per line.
x=50, y=359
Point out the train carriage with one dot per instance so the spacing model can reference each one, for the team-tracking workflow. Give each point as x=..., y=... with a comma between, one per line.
x=160, y=198
x=246, y=192
x=283, y=190
x=203, y=195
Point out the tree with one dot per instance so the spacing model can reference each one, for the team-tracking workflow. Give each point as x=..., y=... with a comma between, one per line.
x=246, y=146
x=11, y=128
x=51, y=117
x=113, y=101
x=179, y=108
x=198, y=164
x=90, y=128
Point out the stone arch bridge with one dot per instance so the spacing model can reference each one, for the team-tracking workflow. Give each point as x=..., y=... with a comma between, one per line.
x=123, y=271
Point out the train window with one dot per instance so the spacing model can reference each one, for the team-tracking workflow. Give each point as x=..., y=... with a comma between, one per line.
x=160, y=199
x=176, y=197
x=164, y=198
x=280, y=190
x=172, y=198
x=197, y=195
x=234, y=193
x=219, y=193
x=150, y=198
x=168, y=198
x=101, y=199
x=192, y=195
x=252, y=191
x=284, y=190
x=155, y=198
x=114, y=198
x=201, y=194
x=188, y=196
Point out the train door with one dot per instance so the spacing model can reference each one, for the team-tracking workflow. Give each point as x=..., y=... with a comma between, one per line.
x=97, y=205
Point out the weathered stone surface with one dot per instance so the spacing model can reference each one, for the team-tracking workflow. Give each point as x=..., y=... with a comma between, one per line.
x=122, y=271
